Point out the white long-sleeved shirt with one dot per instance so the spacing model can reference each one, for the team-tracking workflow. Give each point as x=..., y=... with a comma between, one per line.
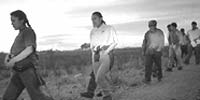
x=102, y=36
x=194, y=34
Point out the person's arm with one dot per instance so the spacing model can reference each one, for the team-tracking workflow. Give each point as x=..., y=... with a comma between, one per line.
x=162, y=43
x=189, y=37
x=24, y=54
x=144, y=44
x=169, y=39
x=198, y=37
x=115, y=40
x=91, y=43
x=30, y=44
x=7, y=58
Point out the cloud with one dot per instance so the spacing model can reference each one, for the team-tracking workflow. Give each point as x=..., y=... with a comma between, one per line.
x=60, y=44
x=57, y=36
x=3, y=2
x=130, y=17
x=143, y=8
x=66, y=24
x=62, y=41
x=130, y=11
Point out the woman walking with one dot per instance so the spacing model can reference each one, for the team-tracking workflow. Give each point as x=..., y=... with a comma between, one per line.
x=103, y=40
x=22, y=60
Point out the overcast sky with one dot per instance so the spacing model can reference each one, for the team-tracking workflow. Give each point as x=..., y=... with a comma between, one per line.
x=66, y=24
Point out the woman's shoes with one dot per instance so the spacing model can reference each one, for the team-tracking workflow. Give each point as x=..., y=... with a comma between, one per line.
x=108, y=97
x=87, y=95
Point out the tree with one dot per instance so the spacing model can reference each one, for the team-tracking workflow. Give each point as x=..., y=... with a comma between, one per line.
x=85, y=46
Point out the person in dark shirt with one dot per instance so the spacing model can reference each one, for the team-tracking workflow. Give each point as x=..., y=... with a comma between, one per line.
x=22, y=60
x=152, y=47
x=184, y=44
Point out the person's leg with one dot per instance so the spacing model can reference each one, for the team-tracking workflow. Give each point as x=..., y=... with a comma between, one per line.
x=171, y=59
x=111, y=54
x=101, y=74
x=189, y=54
x=95, y=66
x=175, y=60
x=154, y=70
x=157, y=60
x=178, y=56
x=32, y=84
x=148, y=67
x=91, y=87
x=197, y=54
x=182, y=49
x=92, y=83
x=14, y=89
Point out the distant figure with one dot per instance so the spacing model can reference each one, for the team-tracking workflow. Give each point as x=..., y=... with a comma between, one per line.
x=103, y=40
x=152, y=46
x=22, y=60
x=194, y=36
x=173, y=60
x=184, y=43
x=176, y=39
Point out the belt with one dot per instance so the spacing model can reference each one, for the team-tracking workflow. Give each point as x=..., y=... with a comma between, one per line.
x=22, y=68
x=98, y=49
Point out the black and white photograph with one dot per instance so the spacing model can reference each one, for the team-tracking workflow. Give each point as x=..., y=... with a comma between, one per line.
x=100, y=50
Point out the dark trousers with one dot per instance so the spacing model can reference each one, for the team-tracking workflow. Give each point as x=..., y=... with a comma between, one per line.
x=189, y=53
x=197, y=54
x=19, y=81
x=183, y=51
x=149, y=60
x=92, y=83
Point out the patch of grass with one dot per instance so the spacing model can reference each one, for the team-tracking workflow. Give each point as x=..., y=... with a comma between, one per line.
x=67, y=72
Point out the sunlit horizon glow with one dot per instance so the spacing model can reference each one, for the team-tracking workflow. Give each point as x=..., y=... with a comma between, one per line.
x=66, y=24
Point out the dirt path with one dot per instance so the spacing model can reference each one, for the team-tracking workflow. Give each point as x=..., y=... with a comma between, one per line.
x=176, y=85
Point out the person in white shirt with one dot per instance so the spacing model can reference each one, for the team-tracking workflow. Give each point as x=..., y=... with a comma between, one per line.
x=103, y=40
x=152, y=47
x=194, y=36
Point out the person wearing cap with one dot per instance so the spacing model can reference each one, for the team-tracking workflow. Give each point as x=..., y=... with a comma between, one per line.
x=176, y=39
x=152, y=47
x=194, y=36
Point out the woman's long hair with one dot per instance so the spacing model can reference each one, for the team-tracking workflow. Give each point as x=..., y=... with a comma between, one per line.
x=21, y=16
x=99, y=15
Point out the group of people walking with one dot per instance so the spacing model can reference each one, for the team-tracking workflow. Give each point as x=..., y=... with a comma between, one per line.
x=181, y=47
x=23, y=59
x=103, y=39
